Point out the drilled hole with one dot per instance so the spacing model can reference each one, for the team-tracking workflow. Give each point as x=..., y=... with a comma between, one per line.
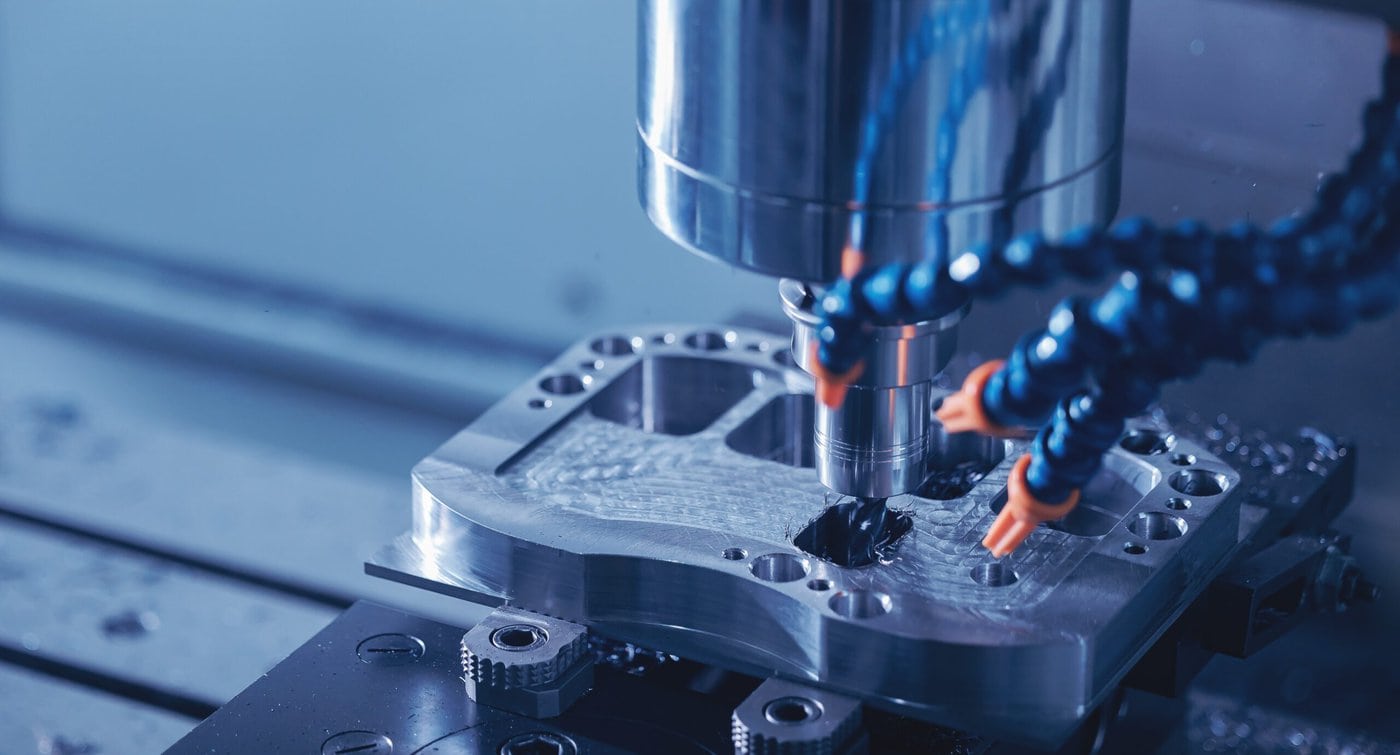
x=1178, y=504
x=540, y=403
x=1183, y=460
x=1154, y=525
x=562, y=385
x=707, y=340
x=1134, y=549
x=615, y=345
x=819, y=585
x=519, y=637
x=1197, y=482
x=994, y=574
x=780, y=567
x=792, y=710
x=758, y=347
x=1145, y=442
x=591, y=365
x=861, y=604
x=664, y=339
x=735, y=554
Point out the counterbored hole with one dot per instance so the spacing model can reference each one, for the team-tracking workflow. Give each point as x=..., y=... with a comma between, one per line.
x=1134, y=549
x=1145, y=442
x=707, y=340
x=519, y=637
x=994, y=574
x=562, y=385
x=861, y=604
x=735, y=554
x=615, y=345
x=791, y=711
x=1178, y=504
x=1154, y=525
x=820, y=585
x=780, y=567
x=1197, y=482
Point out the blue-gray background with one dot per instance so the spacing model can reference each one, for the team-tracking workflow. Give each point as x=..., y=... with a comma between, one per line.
x=257, y=257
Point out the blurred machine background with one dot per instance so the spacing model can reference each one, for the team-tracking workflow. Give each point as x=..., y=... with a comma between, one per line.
x=257, y=259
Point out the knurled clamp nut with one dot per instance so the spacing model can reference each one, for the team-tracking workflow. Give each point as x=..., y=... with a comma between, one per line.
x=785, y=718
x=526, y=663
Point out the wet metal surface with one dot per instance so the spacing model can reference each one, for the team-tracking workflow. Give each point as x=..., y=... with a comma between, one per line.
x=662, y=536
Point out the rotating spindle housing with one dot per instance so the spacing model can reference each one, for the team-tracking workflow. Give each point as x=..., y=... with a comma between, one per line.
x=774, y=135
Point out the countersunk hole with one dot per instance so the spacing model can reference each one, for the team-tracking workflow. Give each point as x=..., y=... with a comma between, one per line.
x=562, y=385
x=790, y=711
x=735, y=554
x=861, y=604
x=540, y=403
x=1145, y=442
x=1197, y=482
x=615, y=345
x=994, y=574
x=820, y=585
x=519, y=637
x=539, y=743
x=1178, y=504
x=1154, y=525
x=1183, y=460
x=784, y=357
x=664, y=339
x=780, y=567
x=708, y=340
x=1134, y=549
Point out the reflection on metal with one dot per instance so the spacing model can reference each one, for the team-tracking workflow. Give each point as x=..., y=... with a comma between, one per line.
x=882, y=438
x=762, y=124
x=684, y=542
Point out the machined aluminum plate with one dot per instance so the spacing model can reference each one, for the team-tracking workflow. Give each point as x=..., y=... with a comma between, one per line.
x=651, y=483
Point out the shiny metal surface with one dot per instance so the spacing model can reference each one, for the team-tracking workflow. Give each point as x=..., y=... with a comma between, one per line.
x=783, y=718
x=526, y=663
x=683, y=543
x=751, y=118
x=879, y=442
x=323, y=695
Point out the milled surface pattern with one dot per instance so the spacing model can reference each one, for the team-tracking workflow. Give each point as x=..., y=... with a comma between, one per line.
x=595, y=468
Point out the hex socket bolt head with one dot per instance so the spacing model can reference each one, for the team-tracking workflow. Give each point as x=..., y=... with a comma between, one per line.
x=527, y=663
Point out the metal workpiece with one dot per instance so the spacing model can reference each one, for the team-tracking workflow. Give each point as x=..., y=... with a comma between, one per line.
x=879, y=442
x=764, y=126
x=646, y=484
x=785, y=718
x=527, y=663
